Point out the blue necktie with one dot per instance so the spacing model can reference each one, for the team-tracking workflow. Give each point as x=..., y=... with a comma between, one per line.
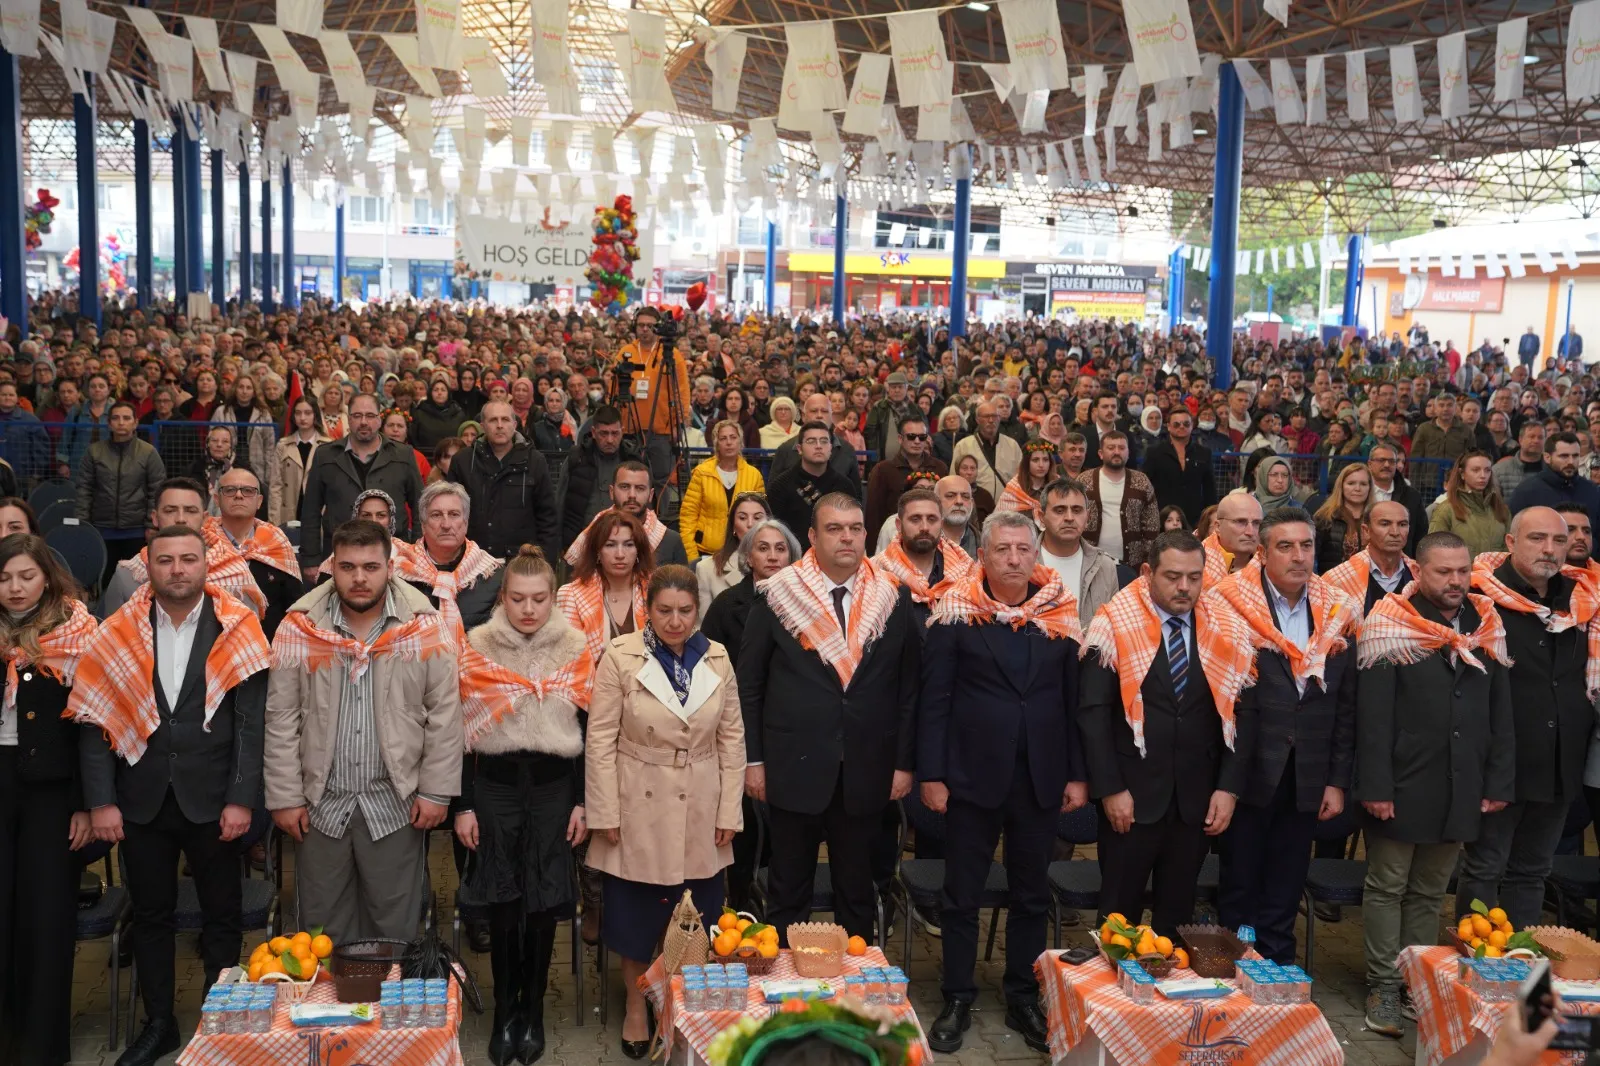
x=1177, y=656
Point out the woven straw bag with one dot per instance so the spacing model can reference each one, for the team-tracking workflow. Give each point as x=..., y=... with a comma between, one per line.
x=686, y=940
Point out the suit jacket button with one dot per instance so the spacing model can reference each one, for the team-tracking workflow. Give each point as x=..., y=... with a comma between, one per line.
x=1551, y=724
x=27, y=677
x=30, y=716
x=172, y=755
x=1458, y=696
x=683, y=795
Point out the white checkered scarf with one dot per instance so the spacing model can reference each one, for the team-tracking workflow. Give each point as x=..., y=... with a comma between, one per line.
x=1395, y=632
x=1583, y=609
x=799, y=596
x=894, y=562
x=1352, y=575
x=1334, y=616
x=1053, y=610
x=419, y=567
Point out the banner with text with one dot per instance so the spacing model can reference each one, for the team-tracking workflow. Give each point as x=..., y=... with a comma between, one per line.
x=497, y=250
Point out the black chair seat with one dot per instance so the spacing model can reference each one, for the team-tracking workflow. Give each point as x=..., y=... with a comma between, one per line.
x=256, y=898
x=101, y=919
x=1077, y=883
x=1337, y=881
x=924, y=880
x=1576, y=875
x=821, y=887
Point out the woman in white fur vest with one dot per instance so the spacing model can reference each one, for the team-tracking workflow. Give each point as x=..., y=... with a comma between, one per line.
x=524, y=678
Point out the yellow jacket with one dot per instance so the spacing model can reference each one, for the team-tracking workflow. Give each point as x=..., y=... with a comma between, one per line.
x=703, y=515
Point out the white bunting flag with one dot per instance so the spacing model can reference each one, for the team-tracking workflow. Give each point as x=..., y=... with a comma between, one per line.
x=419, y=125
x=764, y=150
x=1355, y=86
x=1468, y=268
x=960, y=123
x=1094, y=83
x=1033, y=111
x=647, y=36
x=439, y=33
x=603, y=150
x=1257, y=94
x=1289, y=257
x=1001, y=78
x=360, y=104
x=404, y=47
x=203, y=32
x=1447, y=265
x=644, y=150
x=1153, y=152
x=1405, y=89
x=1274, y=256
x=725, y=53
x=1511, y=42
x=77, y=39
x=556, y=144
x=521, y=134
x=864, y=112
x=1161, y=34
x=474, y=127
x=933, y=122
x=1453, y=97
x=561, y=91
x=1091, y=160
x=1308, y=258
x=825, y=142
x=1125, y=99
x=1070, y=154
x=1241, y=260
x=1405, y=262
x=300, y=16
x=344, y=66
x=1516, y=264
x=242, y=70
x=177, y=72
x=1111, y=150
x=1033, y=44
x=19, y=27
x=1180, y=132
x=1491, y=265
x=1278, y=9
x=548, y=40
x=1583, y=52
x=1169, y=95
x=1203, y=260
x=482, y=66
x=1316, y=92
x=812, y=80
x=1569, y=254
x=922, y=71
x=1202, y=95
x=1055, y=175
x=1286, y=94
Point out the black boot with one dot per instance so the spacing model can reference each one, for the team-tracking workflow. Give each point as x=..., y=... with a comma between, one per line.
x=505, y=962
x=538, y=946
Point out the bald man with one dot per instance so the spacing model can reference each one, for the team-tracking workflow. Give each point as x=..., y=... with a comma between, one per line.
x=955, y=501
x=1382, y=566
x=1547, y=639
x=1235, y=534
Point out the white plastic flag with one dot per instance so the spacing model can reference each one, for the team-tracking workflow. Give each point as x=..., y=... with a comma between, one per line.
x=404, y=47
x=556, y=143
x=647, y=34
x=1516, y=264
x=812, y=80
x=1094, y=83
x=1111, y=150
x=521, y=134
x=1125, y=99
x=1491, y=265
x=1169, y=95
x=1241, y=260
x=1308, y=258
x=482, y=67
x=1569, y=254
x=300, y=16
x=242, y=69
x=864, y=112
x=1033, y=44
x=1355, y=86
x=419, y=125
x=19, y=27
x=1404, y=86
x=1468, y=268
x=439, y=33
x=360, y=105
x=203, y=32
x=1453, y=96
x=548, y=39
x=1583, y=52
x=603, y=150
x=1447, y=265
x=1153, y=152
x=1274, y=257
x=922, y=71
x=1256, y=93
x=1286, y=94
x=1289, y=257
x=933, y=122
x=1278, y=9
x=1542, y=256
x=1180, y=132
x=1203, y=89
x=1316, y=91
x=763, y=146
x=1511, y=42
x=1161, y=34
x=825, y=141
x=1091, y=160
x=1001, y=78
x=725, y=54
x=344, y=66
x=77, y=41
x=473, y=128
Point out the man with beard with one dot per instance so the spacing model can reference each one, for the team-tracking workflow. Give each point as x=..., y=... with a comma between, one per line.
x=362, y=763
x=1382, y=566
x=955, y=500
x=1580, y=534
x=630, y=491
x=1123, y=517
x=1088, y=573
x=919, y=557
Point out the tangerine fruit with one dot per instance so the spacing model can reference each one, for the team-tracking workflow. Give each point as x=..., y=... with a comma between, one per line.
x=729, y=920
x=1164, y=945
x=1116, y=916
x=769, y=949
x=322, y=946
x=1180, y=958
x=257, y=968
x=300, y=940
x=1497, y=939
x=278, y=945
x=1497, y=915
x=1118, y=940
x=1464, y=929
x=1481, y=926
x=856, y=946
x=742, y=924
x=1106, y=934
x=1492, y=952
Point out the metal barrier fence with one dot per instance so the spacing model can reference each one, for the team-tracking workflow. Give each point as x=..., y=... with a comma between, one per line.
x=1318, y=472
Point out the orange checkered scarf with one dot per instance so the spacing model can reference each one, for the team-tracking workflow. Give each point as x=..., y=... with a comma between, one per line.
x=1126, y=634
x=654, y=528
x=266, y=544
x=418, y=566
x=1351, y=576
x=1333, y=616
x=1395, y=632
x=490, y=691
x=799, y=597
x=1052, y=609
x=1014, y=497
x=62, y=647
x=894, y=562
x=583, y=603
x=300, y=645
x=1218, y=559
x=226, y=568
x=114, y=687
x=1584, y=609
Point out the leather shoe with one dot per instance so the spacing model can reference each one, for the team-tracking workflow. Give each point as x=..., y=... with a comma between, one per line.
x=159, y=1037
x=945, y=1034
x=1026, y=1018
x=636, y=1049
x=478, y=936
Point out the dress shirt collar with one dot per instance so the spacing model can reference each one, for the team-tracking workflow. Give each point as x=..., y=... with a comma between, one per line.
x=190, y=620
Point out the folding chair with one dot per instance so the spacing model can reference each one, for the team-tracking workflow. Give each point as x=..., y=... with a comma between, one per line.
x=1075, y=883
x=109, y=916
x=1337, y=881
x=921, y=881
x=48, y=492
x=85, y=552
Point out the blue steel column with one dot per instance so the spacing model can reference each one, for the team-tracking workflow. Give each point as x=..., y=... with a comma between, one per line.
x=1352, y=280
x=291, y=289
x=192, y=232
x=1181, y=285
x=1269, y=301
x=246, y=267
x=769, y=272
x=338, y=255
x=144, y=237
x=840, y=236
x=180, y=214
x=1174, y=276
x=85, y=120
x=219, y=250
x=13, y=278
x=267, y=303
x=1225, y=224
x=959, y=242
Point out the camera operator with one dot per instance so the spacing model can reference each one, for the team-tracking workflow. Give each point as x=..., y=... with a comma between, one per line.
x=647, y=405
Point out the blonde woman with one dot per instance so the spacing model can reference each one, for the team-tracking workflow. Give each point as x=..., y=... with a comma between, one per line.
x=713, y=486
x=1338, y=521
x=784, y=424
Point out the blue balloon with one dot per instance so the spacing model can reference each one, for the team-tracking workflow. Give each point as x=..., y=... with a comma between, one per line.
x=616, y=307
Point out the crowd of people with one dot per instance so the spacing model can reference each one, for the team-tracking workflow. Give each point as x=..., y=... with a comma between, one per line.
x=429, y=565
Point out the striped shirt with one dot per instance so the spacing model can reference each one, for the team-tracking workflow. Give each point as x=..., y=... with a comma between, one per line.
x=357, y=777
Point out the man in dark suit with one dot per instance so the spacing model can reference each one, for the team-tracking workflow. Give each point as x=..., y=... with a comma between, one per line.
x=173, y=769
x=1304, y=700
x=841, y=453
x=1165, y=790
x=1180, y=470
x=1435, y=753
x=997, y=752
x=828, y=685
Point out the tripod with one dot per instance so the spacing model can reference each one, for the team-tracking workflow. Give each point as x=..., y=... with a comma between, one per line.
x=625, y=398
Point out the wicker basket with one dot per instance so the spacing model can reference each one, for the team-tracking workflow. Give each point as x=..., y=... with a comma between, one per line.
x=824, y=946
x=754, y=964
x=1573, y=956
x=360, y=967
x=291, y=991
x=1214, y=951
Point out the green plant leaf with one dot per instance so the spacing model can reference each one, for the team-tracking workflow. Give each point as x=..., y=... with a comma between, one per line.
x=315, y=931
x=1522, y=939
x=1481, y=951
x=1479, y=908
x=291, y=966
x=751, y=930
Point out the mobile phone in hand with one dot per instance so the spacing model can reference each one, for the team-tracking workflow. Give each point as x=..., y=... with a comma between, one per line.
x=1534, y=997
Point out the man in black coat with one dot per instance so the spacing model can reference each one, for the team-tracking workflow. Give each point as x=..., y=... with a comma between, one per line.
x=828, y=686
x=1558, y=482
x=794, y=493
x=998, y=752
x=1434, y=756
x=189, y=784
x=1305, y=728
x=1180, y=470
x=345, y=469
x=1387, y=484
x=841, y=454
x=1534, y=592
x=584, y=485
x=509, y=485
x=1166, y=791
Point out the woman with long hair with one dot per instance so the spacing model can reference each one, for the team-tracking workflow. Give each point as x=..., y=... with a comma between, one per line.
x=396, y=427
x=1338, y=520
x=467, y=394
x=335, y=418
x=720, y=570
x=1040, y=466
x=255, y=436
x=436, y=417
x=1172, y=519
x=1472, y=507
x=713, y=486
x=664, y=779
x=443, y=453
x=44, y=817
x=736, y=408
x=605, y=597
x=523, y=686
x=294, y=454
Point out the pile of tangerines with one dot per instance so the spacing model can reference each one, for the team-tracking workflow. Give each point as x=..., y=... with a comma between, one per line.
x=1487, y=932
x=738, y=936
x=1123, y=941
x=298, y=955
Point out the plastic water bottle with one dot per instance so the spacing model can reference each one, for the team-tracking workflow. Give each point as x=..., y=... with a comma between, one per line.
x=897, y=985
x=211, y=1021
x=855, y=986
x=694, y=994
x=434, y=1009
x=1247, y=935
x=389, y=1009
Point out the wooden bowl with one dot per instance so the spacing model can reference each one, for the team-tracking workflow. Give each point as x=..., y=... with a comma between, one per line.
x=818, y=948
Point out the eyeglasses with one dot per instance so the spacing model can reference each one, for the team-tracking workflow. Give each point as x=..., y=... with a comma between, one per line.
x=915, y=436
x=243, y=491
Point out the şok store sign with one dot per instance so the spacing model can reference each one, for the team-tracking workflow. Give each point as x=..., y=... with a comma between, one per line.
x=1092, y=290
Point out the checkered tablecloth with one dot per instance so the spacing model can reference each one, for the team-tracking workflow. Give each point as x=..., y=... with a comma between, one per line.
x=368, y=1044
x=1450, y=1015
x=1085, y=1000
x=701, y=1027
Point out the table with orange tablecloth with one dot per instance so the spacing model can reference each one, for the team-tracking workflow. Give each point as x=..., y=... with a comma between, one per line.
x=1455, y=1025
x=697, y=1029
x=332, y=1045
x=1092, y=1019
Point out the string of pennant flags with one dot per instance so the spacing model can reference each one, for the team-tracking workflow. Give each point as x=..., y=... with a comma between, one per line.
x=814, y=100
x=1510, y=260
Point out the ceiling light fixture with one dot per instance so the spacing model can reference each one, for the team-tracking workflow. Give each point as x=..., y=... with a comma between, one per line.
x=1200, y=133
x=977, y=5
x=1529, y=61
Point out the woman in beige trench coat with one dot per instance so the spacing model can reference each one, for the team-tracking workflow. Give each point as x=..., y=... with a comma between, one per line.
x=664, y=779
